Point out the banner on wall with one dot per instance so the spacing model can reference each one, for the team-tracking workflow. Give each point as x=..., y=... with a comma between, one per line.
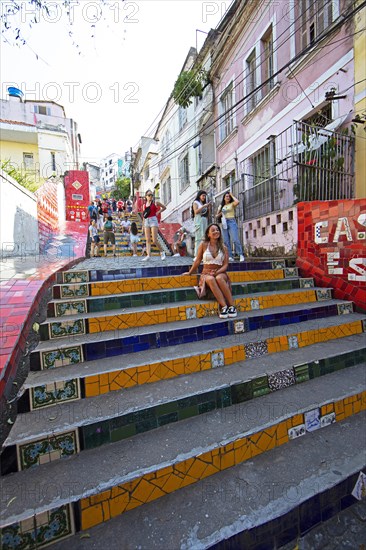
x=77, y=195
x=332, y=246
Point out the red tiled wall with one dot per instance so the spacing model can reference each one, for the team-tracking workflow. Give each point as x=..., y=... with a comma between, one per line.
x=47, y=211
x=327, y=228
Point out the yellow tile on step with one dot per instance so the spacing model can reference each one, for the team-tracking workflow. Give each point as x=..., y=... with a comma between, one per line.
x=106, y=511
x=227, y=460
x=282, y=440
x=297, y=419
x=133, y=504
x=91, y=516
x=143, y=491
x=172, y=484
x=157, y=493
x=91, y=390
x=209, y=471
x=266, y=441
x=197, y=469
x=243, y=453
x=119, y=504
x=348, y=410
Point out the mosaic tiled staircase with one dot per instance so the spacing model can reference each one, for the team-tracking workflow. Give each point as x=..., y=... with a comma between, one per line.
x=119, y=411
x=123, y=242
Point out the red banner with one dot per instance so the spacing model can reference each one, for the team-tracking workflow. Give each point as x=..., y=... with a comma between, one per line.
x=77, y=195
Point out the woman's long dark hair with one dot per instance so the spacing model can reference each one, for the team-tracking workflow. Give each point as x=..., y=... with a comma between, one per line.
x=133, y=228
x=198, y=199
x=220, y=242
x=223, y=198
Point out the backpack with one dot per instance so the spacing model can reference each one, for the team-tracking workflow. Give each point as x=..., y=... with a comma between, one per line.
x=108, y=226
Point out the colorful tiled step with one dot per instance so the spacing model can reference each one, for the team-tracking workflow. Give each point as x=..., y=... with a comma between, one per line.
x=78, y=348
x=83, y=323
x=119, y=285
x=92, y=304
x=100, y=377
x=193, y=449
x=309, y=482
x=89, y=270
x=35, y=437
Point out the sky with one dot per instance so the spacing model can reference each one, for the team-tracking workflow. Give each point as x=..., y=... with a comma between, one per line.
x=116, y=70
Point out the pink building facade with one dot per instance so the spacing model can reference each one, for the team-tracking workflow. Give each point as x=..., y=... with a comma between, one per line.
x=280, y=136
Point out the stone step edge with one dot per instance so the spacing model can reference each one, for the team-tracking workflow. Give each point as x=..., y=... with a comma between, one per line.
x=239, y=447
x=97, y=402
x=271, y=266
x=309, y=294
x=93, y=297
x=321, y=295
x=192, y=279
x=109, y=335
x=250, y=515
x=271, y=341
x=231, y=353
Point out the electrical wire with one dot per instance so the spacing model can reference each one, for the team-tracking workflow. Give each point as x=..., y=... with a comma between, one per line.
x=257, y=66
x=245, y=98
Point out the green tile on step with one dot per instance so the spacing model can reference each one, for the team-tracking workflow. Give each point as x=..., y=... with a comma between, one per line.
x=188, y=412
x=95, y=435
x=167, y=418
x=187, y=402
x=301, y=373
x=241, y=392
x=146, y=425
x=123, y=432
x=223, y=397
x=314, y=369
x=166, y=408
x=206, y=407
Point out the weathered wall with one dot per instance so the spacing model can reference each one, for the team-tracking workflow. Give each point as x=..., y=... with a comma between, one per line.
x=18, y=220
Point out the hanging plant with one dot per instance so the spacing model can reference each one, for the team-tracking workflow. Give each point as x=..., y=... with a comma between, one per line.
x=188, y=85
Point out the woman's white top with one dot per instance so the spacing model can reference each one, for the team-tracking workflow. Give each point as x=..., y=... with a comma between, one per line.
x=209, y=259
x=202, y=212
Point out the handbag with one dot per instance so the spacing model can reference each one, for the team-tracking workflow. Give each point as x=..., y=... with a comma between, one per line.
x=146, y=212
x=223, y=221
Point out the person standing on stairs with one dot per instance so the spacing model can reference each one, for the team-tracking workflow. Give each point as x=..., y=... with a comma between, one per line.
x=226, y=214
x=134, y=238
x=109, y=230
x=200, y=213
x=215, y=257
x=151, y=225
x=94, y=239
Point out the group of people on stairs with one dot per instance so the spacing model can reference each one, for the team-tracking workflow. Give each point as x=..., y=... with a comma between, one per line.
x=213, y=245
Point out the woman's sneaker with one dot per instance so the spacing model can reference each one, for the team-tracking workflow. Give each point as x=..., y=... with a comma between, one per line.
x=223, y=312
x=232, y=311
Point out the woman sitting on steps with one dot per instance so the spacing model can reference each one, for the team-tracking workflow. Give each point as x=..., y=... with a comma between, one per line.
x=215, y=257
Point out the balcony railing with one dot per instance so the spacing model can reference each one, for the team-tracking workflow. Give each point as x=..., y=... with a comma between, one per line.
x=309, y=163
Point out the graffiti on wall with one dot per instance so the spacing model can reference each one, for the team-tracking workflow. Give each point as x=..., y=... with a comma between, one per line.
x=331, y=248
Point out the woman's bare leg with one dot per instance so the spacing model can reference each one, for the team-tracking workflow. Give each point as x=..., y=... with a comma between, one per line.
x=154, y=231
x=148, y=240
x=212, y=284
x=221, y=280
